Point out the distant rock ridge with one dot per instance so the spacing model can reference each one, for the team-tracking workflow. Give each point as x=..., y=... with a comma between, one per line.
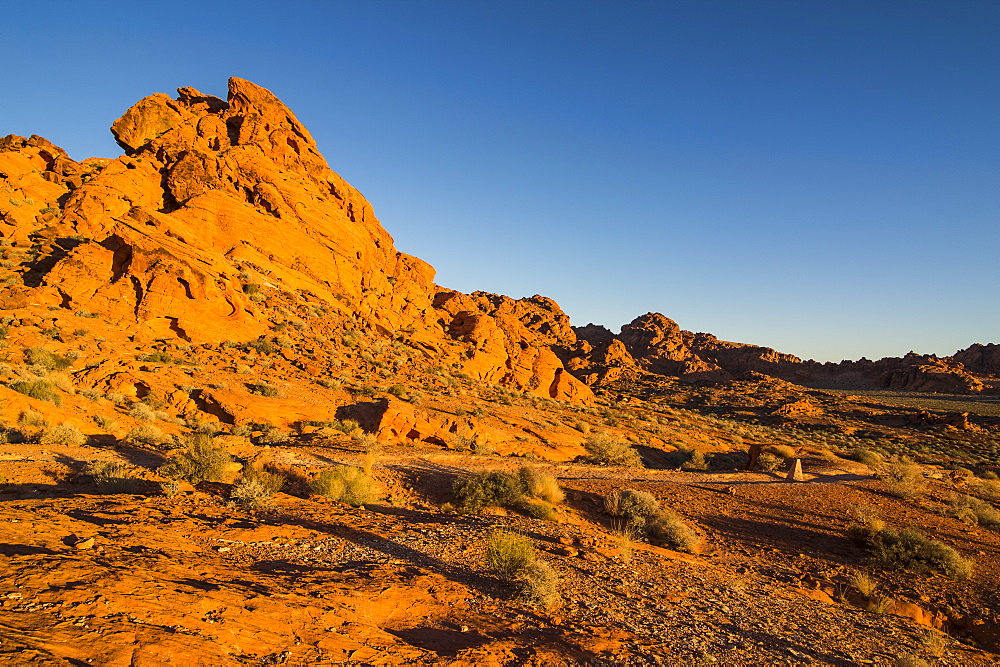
x=655, y=344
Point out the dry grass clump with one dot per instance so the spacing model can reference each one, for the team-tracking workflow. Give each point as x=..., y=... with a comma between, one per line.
x=113, y=477
x=200, y=460
x=863, y=583
x=345, y=484
x=974, y=511
x=511, y=557
x=907, y=549
x=541, y=486
x=640, y=512
x=255, y=487
x=604, y=449
x=64, y=434
x=904, y=479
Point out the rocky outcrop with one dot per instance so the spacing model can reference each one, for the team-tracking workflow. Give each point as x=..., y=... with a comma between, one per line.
x=979, y=358
x=508, y=341
x=222, y=212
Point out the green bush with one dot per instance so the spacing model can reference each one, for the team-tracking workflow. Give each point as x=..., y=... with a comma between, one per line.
x=263, y=345
x=539, y=485
x=50, y=361
x=40, y=389
x=668, y=528
x=603, y=449
x=200, y=460
x=397, y=390
x=346, y=484
x=489, y=489
x=908, y=549
x=142, y=412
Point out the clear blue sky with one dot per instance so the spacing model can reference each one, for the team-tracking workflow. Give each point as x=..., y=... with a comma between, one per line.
x=818, y=177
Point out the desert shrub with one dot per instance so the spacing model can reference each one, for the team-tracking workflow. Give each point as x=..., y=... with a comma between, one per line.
x=508, y=553
x=907, y=549
x=910, y=660
x=200, y=460
x=640, y=512
x=32, y=419
x=368, y=442
x=668, y=528
x=142, y=412
x=170, y=488
x=39, y=388
x=537, y=584
x=604, y=449
x=482, y=448
x=264, y=389
x=157, y=356
x=769, y=462
x=63, y=434
x=695, y=462
x=346, y=484
x=541, y=486
x=784, y=451
x=488, y=489
x=904, y=479
x=862, y=583
x=271, y=435
x=113, y=477
x=145, y=435
x=50, y=361
x=866, y=456
x=989, y=474
x=679, y=456
x=263, y=345
x=633, y=508
x=242, y=430
x=397, y=390
x=255, y=487
x=536, y=509
x=975, y=511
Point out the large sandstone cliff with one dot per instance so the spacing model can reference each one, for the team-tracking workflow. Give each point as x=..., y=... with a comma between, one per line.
x=222, y=215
